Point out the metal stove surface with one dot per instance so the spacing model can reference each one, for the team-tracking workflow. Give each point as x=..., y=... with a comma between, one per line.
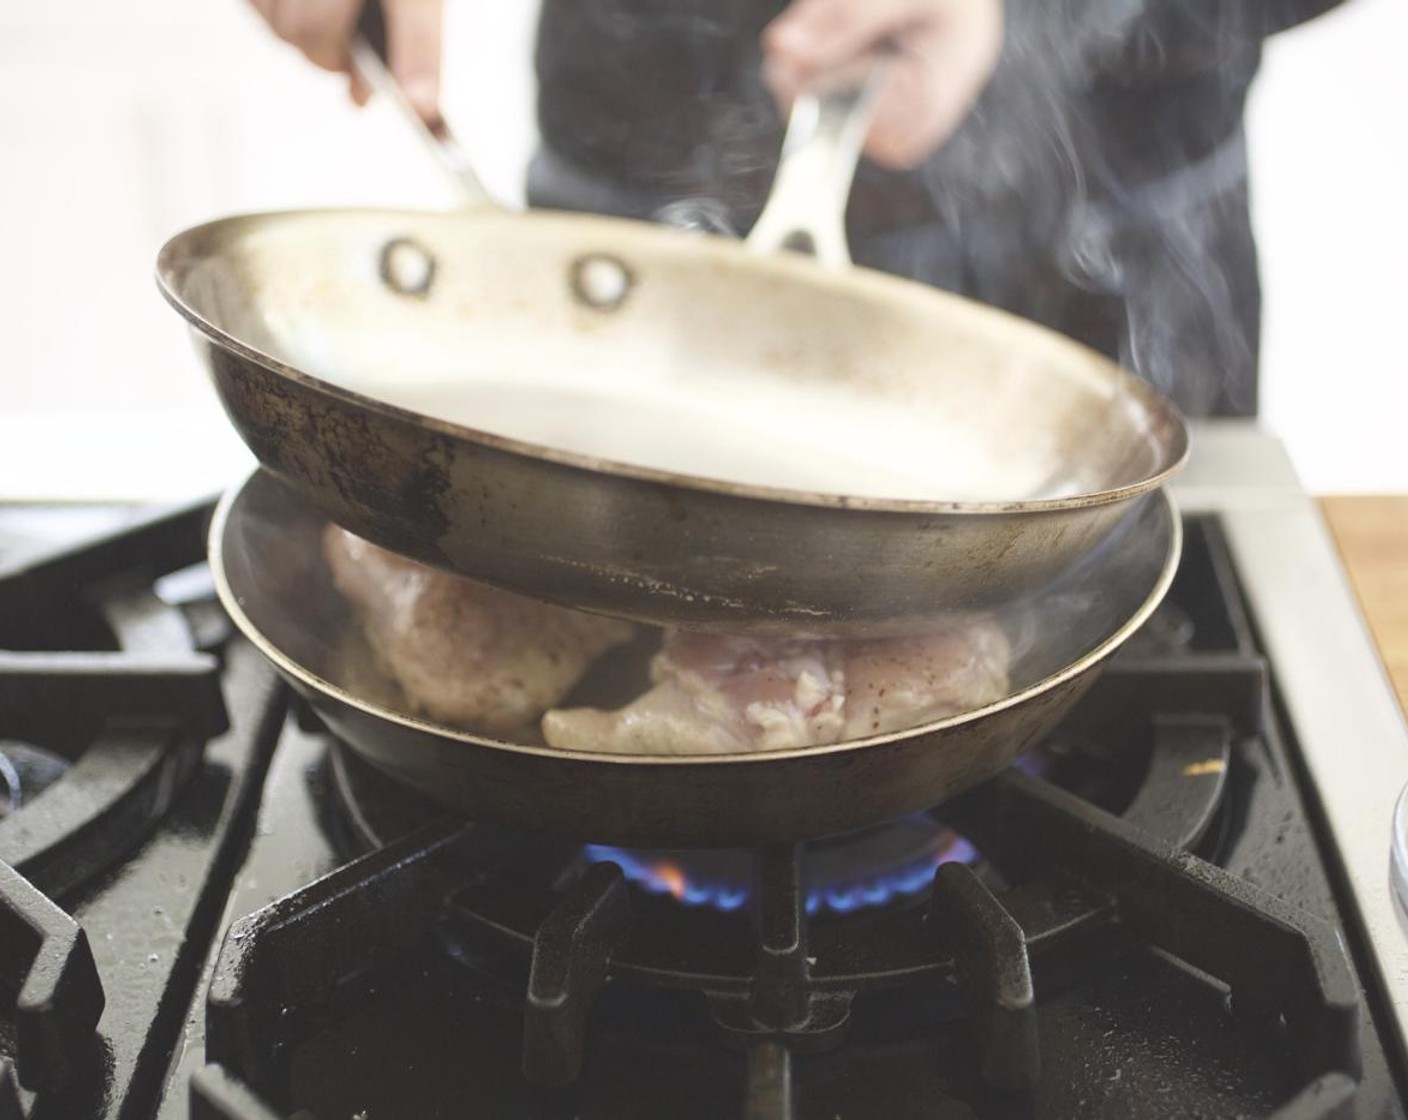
x=451, y=973
x=1351, y=743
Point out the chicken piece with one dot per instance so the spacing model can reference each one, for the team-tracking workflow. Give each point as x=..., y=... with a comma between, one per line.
x=463, y=652
x=717, y=695
x=896, y=683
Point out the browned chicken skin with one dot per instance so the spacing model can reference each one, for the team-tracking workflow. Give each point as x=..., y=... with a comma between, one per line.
x=463, y=652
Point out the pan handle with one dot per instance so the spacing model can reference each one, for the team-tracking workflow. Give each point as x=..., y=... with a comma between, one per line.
x=806, y=209
x=368, y=52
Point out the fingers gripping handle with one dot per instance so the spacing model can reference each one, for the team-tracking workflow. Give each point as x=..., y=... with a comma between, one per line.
x=369, y=60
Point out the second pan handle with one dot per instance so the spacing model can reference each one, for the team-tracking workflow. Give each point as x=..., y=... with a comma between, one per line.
x=369, y=56
x=806, y=209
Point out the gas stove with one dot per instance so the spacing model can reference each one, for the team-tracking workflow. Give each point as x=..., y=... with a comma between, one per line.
x=1178, y=905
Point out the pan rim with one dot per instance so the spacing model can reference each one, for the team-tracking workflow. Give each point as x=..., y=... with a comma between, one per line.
x=306, y=678
x=176, y=254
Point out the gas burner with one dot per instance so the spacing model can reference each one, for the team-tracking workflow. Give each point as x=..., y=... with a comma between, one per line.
x=864, y=870
x=868, y=869
x=876, y=867
x=1062, y=891
x=1084, y=886
x=1087, y=856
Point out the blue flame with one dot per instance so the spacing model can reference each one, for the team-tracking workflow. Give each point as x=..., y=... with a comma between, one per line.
x=720, y=880
x=661, y=873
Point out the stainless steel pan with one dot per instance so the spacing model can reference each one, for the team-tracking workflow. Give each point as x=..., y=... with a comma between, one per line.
x=264, y=550
x=577, y=408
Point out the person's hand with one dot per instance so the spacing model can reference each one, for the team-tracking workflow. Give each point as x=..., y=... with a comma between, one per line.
x=943, y=52
x=323, y=29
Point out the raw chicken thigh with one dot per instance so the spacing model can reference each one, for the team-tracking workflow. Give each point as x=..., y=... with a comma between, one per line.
x=463, y=652
x=716, y=695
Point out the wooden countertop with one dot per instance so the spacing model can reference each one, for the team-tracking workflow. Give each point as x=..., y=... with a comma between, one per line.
x=1372, y=535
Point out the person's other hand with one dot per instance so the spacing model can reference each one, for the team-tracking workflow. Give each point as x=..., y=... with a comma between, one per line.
x=323, y=29
x=943, y=52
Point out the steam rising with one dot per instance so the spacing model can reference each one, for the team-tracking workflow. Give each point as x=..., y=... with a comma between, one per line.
x=1073, y=196
x=1098, y=186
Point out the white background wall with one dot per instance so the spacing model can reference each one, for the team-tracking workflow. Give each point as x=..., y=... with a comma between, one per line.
x=122, y=123
x=1329, y=148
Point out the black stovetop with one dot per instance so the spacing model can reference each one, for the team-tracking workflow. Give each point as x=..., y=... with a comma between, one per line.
x=209, y=908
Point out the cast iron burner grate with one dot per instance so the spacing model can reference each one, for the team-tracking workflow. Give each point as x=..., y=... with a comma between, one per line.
x=107, y=735
x=110, y=738
x=1067, y=886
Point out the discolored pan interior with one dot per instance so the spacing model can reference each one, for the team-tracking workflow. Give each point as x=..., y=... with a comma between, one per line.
x=615, y=343
x=712, y=440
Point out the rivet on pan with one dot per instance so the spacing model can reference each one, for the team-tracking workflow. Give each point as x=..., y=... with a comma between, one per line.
x=601, y=282
x=407, y=267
